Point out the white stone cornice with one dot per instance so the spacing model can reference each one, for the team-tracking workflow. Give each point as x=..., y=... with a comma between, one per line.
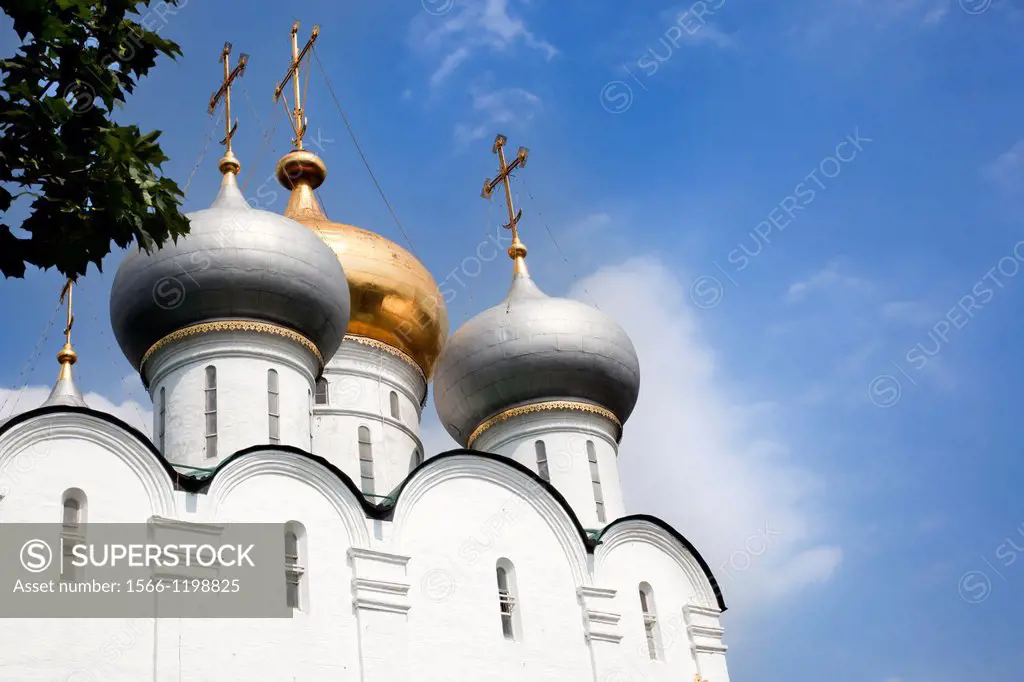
x=206, y=528
x=703, y=629
x=638, y=530
x=379, y=582
x=357, y=359
x=493, y=471
x=328, y=410
x=537, y=425
x=600, y=624
x=219, y=345
x=36, y=434
x=297, y=467
x=377, y=555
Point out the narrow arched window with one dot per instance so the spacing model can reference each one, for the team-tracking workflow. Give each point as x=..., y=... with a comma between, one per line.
x=365, y=460
x=274, y=406
x=507, y=603
x=321, y=391
x=595, y=479
x=73, y=507
x=309, y=403
x=72, y=515
x=161, y=422
x=211, y=411
x=394, y=405
x=542, y=460
x=294, y=570
x=650, y=620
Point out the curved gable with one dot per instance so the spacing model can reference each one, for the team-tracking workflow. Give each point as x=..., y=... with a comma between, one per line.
x=547, y=502
x=103, y=429
x=654, y=531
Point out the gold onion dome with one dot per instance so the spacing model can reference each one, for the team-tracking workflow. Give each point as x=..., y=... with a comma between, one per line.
x=394, y=298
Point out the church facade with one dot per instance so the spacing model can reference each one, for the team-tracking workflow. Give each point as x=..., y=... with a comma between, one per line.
x=288, y=369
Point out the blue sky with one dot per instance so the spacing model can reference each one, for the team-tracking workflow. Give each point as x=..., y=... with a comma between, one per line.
x=849, y=393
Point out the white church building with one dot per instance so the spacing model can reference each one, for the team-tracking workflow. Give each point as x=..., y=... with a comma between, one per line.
x=288, y=360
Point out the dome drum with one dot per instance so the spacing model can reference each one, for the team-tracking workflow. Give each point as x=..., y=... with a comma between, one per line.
x=236, y=264
x=533, y=350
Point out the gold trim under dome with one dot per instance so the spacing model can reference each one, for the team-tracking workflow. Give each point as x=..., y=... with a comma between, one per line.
x=233, y=326
x=395, y=300
x=391, y=350
x=548, y=406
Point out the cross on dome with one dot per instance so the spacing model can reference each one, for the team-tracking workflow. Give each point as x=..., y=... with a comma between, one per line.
x=297, y=115
x=228, y=164
x=517, y=251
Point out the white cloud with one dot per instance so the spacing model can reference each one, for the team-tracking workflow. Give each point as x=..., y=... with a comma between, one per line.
x=936, y=14
x=15, y=401
x=823, y=23
x=494, y=109
x=450, y=63
x=472, y=26
x=697, y=454
x=705, y=459
x=828, y=278
x=1007, y=171
x=909, y=312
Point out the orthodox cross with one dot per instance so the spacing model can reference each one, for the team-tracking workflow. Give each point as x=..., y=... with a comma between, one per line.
x=225, y=91
x=65, y=293
x=67, y=357
x=297, y=115
x=504, y=172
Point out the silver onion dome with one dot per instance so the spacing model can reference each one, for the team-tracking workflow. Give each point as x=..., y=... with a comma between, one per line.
x=236, y=263
x=533, y=348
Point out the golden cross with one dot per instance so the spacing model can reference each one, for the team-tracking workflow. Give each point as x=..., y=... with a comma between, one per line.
x=298, y=117
x=66, y=293
x=225, y=92
x=504, y=172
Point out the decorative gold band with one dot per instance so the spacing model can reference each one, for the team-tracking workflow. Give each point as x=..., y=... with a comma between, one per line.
x=380, y=345
x=550, y=405
x=233, y=326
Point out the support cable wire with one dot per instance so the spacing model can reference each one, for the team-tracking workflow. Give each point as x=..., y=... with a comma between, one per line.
x=29, y=365
x=202, y=154
x=362, y=156
x=267, y=137
x=558, y=248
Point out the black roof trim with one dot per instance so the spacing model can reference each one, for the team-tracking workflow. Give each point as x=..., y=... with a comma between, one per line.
x=664, y=525
x=384, y=510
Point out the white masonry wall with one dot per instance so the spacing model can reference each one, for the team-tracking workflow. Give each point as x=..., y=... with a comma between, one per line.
x=565, y=434
x=360, y=380
x=410, y=597
x=242, y=361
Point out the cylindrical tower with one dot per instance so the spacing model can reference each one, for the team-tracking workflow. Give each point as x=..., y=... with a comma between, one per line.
x=229, y=328
x=548, y=382
x=368, y=402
